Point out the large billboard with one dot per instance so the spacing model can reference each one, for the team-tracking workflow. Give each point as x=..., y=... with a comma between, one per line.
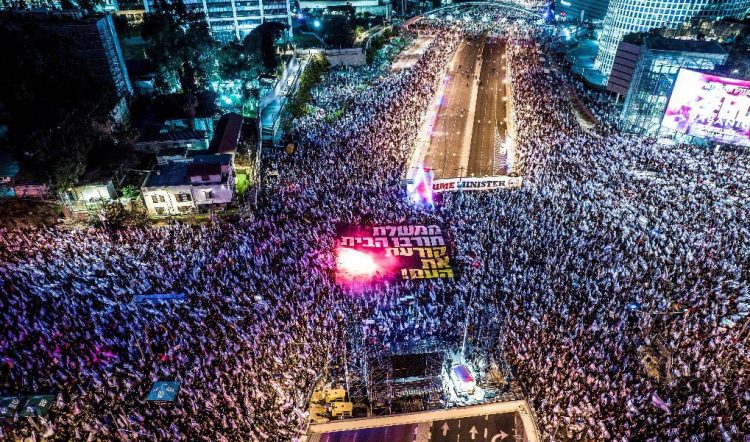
x=371, y=254
x=710, y=107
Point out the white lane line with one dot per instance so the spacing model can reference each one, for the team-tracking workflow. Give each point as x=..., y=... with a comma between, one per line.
x=424, y=140
x=469, y=126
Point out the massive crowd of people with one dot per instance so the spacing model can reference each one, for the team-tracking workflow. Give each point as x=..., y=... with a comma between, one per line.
x=614, y=247
x=623, y=245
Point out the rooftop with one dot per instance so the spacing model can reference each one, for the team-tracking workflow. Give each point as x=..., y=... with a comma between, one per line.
x=197, y=169
x=674, y=44
x=171, y=174
x=179, y=135
x=212, y=159
x=178, y=173
x=227, y=133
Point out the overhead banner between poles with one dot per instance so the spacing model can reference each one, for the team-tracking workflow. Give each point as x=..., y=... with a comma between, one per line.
x=483, y=183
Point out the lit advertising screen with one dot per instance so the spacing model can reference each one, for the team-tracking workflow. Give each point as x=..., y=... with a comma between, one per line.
x=710, y=107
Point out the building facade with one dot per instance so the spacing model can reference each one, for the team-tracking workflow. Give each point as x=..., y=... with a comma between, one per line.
x=80, y=198
x=627, y=16
x=372, y=6
x=234, y=19
x=193, y=140
x=582, y=10
x=200, y=184
x=654, y=75
x=94, y=43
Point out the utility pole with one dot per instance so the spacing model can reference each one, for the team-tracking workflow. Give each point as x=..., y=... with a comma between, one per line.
x=466, y=326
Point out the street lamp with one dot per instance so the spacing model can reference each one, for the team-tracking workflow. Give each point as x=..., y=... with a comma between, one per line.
x=316, y=26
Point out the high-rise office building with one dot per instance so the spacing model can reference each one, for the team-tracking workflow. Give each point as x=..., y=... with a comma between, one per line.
x=234, y=19
x=93, y=40
x=582, y=10
x=654, y=74
x=626, y=16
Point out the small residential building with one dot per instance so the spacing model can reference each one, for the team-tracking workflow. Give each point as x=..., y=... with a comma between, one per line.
x=204, y=124
x=227, y=135
x=27, y=184
x=212, y=185
x=94, y=192
x=196, y=140
x=31, y=189
x=16, y=182
x=83, y=196
x=204, y=183
x=167, y=191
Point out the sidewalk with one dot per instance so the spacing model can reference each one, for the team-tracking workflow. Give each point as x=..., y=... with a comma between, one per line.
x=271, y=105
x=582, y=59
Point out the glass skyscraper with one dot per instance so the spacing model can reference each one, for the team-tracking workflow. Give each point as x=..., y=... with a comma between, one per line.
x=626, y=16
x=654, y=76
x=582, y=10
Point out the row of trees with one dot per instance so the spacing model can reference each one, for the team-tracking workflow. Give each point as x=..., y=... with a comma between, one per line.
x=313, y=73
x=189, y=59
x=340, y=26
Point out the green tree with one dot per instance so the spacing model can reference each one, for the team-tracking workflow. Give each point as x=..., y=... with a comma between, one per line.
x=297, y=105
x=181, y=46
x=268, y=34
x=91, y=5
x=338, y=30
x=376, y=44
x=255, y=54
x=240, y=61
x=130, y=192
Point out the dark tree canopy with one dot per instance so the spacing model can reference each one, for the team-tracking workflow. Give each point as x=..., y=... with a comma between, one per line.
x=247, y=59
x=338, y=30
x=240, y=60
x=181, y=46
x=269, y=33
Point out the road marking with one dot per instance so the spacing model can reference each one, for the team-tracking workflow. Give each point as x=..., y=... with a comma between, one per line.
x=469, y=127
x=501, y=436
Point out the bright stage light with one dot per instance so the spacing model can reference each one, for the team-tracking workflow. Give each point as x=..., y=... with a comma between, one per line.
x=420, y=188
x=355, y=263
